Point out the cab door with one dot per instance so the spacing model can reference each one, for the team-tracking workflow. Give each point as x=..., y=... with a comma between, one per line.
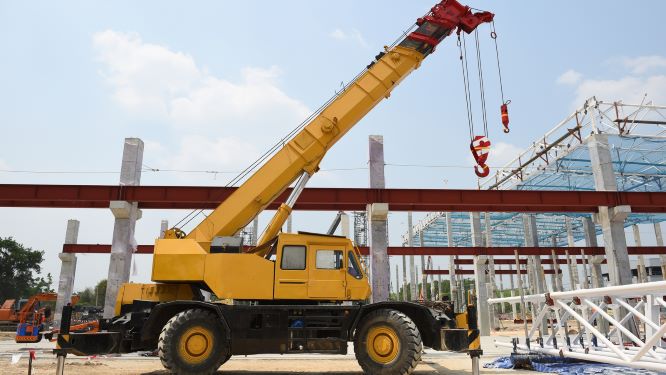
x=291, y=274
x=327, y=272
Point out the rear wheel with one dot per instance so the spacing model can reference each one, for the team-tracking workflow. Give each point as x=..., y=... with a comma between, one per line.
x=387, y=343
x=193, y=342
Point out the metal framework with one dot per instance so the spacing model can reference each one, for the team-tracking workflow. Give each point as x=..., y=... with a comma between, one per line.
x=560, y=161
x=620, y=325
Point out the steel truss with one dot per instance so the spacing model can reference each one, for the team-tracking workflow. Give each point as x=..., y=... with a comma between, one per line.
x=619, y=325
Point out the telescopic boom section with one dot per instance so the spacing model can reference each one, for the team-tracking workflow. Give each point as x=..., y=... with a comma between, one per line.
x=303, y=153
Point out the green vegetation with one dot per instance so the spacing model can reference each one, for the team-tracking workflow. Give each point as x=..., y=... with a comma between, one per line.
x=19, y=267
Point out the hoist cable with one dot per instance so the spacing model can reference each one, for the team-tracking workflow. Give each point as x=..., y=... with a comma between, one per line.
x=493, y=35
x=468, y=100
x=482, y=91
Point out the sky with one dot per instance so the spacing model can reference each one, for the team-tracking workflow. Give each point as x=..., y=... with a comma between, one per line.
x=210, y=85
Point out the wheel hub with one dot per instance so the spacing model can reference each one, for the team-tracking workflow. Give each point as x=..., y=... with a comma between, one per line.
x=196, y=344
x=383, y=344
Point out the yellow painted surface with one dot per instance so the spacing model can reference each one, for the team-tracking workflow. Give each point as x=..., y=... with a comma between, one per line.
x=239, y=276
x=131, y=292
x=178, y=260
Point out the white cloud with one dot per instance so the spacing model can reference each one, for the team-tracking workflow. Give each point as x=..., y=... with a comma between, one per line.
x=643, y=64
x=352, y=34
x=630, y=87
x=154, y=81
x=211, y=116
x=4, y=165
x=570, y=77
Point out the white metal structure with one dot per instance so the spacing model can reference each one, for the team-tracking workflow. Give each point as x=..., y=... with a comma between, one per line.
x=636, y=337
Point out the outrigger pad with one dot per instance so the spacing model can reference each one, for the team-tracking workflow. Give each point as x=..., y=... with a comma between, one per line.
x=90, y=343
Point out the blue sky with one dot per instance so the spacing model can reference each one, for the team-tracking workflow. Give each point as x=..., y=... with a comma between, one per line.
x=209, y=85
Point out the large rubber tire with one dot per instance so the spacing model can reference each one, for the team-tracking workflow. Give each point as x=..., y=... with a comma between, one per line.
x=193, y=343
x=387, y=342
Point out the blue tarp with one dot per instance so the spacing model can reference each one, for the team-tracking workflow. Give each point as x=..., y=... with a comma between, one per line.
x=564, y=366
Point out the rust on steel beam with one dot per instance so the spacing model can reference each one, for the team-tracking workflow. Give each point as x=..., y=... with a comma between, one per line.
x=471, y=272
x=397, y=250
x=324, y=199
x=512, y=262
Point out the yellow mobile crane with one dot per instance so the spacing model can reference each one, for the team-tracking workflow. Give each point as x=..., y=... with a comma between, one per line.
x=288, y=290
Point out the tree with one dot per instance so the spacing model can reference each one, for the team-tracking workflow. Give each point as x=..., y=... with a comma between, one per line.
x=19, y=267
x=93, y=296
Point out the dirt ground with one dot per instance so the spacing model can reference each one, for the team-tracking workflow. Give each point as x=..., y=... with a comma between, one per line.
x=433, y=363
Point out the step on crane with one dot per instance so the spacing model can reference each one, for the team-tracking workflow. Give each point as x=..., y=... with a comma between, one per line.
x=292, y=293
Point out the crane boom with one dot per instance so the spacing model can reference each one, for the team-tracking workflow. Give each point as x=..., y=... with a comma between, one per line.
x=303, y=153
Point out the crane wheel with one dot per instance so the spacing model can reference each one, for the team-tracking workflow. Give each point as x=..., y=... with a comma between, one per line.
x=193, y=342
x=387, y=343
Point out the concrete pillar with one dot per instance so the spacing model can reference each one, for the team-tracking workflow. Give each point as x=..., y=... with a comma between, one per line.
x=454, y=292
x=480, y=276
x=660, y=242
x=412, y=268
x=67, y=272
x=490, y=284
x=514, y=307
x=532, y=240
x=126, y=214
x=596, y=260
x=255, y=231
x=571, y=261
x=641, y=272
x=344, y=225
x=378, y=213
x=164, y=226
x=611, y=219
x=397, y=284
x=404, y=278
x=424, y=277
x=440, y=291
x=556, y=278
x=289, y=224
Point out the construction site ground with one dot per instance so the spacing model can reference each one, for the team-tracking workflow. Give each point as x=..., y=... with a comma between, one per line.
x=269, y=364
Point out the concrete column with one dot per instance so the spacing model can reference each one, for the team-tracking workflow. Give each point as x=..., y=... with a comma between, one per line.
x=660, y=242
x=164, y=226
x=378, y=213
x=440, y=292
x=514, y=307
x=255, y=231
x=596, y=260
x=126, y=214
x=424, y=277
x=641, y=272
x=556, y=278
x=397, y=284
x=404, y=278
x=573, y=264
x=344, y=225
x=454, y=293
x=412, y=268
x=289, y=224
x=532, y=239
x=490, y=284
x=480, y=276
x=611, y=219
x=67, y=272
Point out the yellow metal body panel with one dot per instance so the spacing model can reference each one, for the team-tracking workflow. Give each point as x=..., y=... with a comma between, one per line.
x=305, y=151
x=130, y=292
x=239, y=276
x=253, y=277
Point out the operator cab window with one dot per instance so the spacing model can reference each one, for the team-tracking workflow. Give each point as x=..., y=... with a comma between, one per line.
x=353, y=267
x=293, y=257
x=329, y=259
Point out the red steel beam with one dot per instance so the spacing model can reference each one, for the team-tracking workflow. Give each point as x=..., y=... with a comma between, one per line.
x=323, y=199
x=397, y=250
x=471, y=272
x=512, y=262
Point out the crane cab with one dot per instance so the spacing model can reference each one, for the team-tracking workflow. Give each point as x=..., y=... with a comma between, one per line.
x=303, y=266
x=320, y=267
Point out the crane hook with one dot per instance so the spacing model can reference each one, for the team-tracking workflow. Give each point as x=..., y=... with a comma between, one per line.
x=482, y=170
x=504, y=109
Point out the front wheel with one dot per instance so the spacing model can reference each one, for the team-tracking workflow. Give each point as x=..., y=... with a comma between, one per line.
x=193, y=342
x=387, y=343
